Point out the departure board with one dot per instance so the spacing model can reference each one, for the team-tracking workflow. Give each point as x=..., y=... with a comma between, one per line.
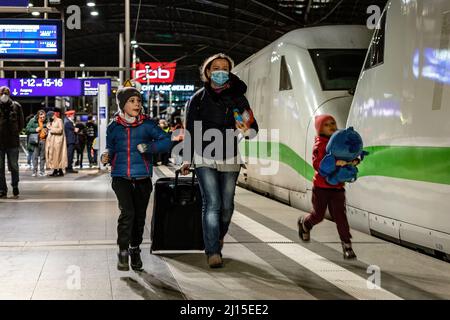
x=31, y=39
x=45, y=87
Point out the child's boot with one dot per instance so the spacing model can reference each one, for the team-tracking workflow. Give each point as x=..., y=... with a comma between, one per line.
x=348, y=251
x=122, y=263
x=136, y=261
x=303, y=232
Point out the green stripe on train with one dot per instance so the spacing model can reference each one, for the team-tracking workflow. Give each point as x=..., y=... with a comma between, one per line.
x=428, y=164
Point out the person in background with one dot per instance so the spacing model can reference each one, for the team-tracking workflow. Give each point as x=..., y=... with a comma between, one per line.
x=56, y=148
x=38, y=125
x=131, y=139
x=71, y=139
x=177, y=138
x=164, y=156
x=81, y=145
x=91, y=134
x=30, y=148
x=11, y=124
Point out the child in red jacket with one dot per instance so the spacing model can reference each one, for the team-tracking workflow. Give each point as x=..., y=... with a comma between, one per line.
x=324, y=194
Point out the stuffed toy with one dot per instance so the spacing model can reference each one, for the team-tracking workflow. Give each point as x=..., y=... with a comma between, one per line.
x=344, y=145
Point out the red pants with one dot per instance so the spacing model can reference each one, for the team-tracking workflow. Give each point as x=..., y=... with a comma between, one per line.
x=334, y=199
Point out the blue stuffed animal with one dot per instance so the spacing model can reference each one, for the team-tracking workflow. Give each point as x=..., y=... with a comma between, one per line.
x=344, y=145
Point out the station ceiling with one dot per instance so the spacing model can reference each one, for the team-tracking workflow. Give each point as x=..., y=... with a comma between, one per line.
x=194, y=29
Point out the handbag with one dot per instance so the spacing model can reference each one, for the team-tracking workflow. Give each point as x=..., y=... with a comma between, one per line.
x=33, y=139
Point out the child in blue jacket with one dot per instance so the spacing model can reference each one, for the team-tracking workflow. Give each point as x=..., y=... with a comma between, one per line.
x=131, y=139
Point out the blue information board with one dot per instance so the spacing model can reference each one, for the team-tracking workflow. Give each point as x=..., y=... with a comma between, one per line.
x=91, y=86
x=14, y=3
x=45, y=87
x=31, y=39
x=4, y=82
x=102, y=114
x=55, y=87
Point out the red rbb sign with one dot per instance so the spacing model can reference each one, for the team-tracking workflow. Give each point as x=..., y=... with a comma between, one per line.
x=155, y=72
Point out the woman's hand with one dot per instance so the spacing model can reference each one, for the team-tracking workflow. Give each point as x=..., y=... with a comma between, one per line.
x=241, y=126
x=185, y=168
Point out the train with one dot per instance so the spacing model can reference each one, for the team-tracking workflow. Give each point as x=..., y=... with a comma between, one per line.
x=392, y=92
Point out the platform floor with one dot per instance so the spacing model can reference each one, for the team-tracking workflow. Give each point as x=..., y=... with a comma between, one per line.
x=57, y=241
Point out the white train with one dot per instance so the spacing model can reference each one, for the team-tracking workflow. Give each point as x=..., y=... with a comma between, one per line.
x=402, y=110
x=399, y=109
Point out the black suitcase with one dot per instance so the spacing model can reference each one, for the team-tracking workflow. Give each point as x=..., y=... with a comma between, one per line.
x=177, y=214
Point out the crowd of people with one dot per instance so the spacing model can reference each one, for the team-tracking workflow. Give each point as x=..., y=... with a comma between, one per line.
x=55, y=144
x=51, y=142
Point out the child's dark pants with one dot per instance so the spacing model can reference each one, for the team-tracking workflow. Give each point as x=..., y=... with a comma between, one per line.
x=334, y=199
x=133, y=197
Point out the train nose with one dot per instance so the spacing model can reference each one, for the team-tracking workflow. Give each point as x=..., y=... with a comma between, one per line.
x=338, y=107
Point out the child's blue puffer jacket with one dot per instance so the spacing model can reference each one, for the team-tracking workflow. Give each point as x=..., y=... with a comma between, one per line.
x=122, y=139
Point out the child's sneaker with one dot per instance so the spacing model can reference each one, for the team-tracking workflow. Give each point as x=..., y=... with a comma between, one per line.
x=348, y=251
x=303, y=233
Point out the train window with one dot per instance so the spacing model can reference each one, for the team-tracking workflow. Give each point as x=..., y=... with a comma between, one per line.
x=338, y=69
x=375, y=56
x=285, y=78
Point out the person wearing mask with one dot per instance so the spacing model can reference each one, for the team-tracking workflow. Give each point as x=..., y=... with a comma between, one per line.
x=56, y=148
x=211, y=109
x=11, y=124
x=37, y=126
x=131, y=139
x=71, y=139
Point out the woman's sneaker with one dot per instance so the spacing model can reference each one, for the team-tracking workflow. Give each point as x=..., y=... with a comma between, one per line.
x=135, y=255
x=348, y=251
x=303, y=233
x=122, y=263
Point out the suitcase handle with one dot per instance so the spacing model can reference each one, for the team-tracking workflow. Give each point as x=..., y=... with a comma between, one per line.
x=177, y=173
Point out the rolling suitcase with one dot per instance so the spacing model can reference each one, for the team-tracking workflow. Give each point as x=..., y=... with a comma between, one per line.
x=177, y=214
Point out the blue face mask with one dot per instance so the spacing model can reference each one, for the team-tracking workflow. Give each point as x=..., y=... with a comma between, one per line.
x=219, y=77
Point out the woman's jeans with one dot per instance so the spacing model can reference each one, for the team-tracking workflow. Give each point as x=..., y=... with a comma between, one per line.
x=217, y=190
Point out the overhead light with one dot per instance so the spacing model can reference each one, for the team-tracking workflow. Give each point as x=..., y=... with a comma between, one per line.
x=94, y=13
x=33, y=76
x=133, y=42
x=90, y=4
x=82, y=65
x=30, y=4
x=135, y=46
x=36, y=13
